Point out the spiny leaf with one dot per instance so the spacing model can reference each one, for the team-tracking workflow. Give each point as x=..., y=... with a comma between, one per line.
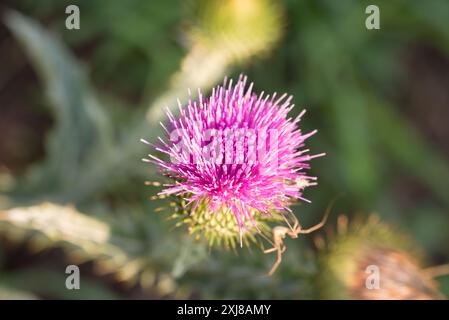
x=82, y=238
x=13, y=294
x=82, y=129
x=50, y=225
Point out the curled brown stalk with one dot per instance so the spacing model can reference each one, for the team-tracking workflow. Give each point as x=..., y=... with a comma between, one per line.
x=280, y=232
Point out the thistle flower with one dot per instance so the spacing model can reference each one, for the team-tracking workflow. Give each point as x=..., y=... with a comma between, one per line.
x=239, y=29
x=235, y=154
x=371, y=261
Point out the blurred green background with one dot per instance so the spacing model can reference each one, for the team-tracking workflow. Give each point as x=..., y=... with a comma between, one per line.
x=72, y=110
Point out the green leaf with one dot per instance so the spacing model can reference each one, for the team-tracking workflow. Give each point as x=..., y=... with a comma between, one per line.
x=7, y=293
x=50, y=283
x=82, y=130
x=82, y=239
x=49, y=226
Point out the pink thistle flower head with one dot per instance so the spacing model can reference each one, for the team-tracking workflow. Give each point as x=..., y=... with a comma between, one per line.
x=236, y=153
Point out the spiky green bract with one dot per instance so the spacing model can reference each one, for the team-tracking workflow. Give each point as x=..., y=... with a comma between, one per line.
x=220, y=229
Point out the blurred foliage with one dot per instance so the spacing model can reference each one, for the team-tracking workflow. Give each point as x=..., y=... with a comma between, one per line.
x=347, y=257
x=379, y=99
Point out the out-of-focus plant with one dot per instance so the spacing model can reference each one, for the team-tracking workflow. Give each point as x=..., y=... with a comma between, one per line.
x=222, y=34
x=83, y=239
x=12, y=294
x=371, y=260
